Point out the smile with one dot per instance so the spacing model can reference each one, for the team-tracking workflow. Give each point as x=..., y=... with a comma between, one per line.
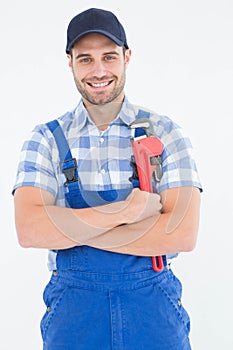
x=99, y=85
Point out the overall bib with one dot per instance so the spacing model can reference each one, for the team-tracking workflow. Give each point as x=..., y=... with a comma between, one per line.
x=99, y=300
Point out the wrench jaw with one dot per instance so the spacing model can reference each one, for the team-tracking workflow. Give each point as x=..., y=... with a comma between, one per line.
x=145, y=124
x=148, y=147
x=146, y=153
x=158, y=172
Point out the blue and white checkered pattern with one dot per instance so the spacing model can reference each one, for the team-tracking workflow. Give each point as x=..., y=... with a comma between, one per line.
x=103, y=157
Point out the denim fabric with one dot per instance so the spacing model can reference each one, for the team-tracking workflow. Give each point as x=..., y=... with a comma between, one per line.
x=91, y=310
x=102, y=300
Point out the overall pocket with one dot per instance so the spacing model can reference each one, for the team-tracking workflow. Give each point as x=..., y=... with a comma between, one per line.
x=53, y=295
x=171, y=290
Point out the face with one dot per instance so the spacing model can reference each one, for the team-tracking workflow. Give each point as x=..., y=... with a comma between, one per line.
x=98, y=67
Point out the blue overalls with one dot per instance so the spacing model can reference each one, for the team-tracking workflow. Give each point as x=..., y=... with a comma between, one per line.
x=109, y=301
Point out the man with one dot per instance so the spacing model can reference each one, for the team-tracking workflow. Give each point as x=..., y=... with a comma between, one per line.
x=101, y=233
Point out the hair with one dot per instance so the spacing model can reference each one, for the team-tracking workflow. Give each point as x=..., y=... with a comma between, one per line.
x=124, y=49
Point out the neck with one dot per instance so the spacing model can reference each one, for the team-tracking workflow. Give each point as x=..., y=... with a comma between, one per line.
x=103, y=115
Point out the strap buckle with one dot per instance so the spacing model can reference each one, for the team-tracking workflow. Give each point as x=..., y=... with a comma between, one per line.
x=134, y=168
x=68, y=167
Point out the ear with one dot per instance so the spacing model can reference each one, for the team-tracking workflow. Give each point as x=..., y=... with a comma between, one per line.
x=69, y=60
x=128, y=54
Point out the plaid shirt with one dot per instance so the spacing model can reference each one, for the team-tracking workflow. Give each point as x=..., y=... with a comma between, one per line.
x=103, y=157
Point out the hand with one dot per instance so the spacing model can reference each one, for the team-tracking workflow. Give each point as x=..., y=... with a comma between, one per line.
x=141, y=205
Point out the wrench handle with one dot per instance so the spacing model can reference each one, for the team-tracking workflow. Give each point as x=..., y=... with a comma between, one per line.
x=144, y=150
x=157, y=263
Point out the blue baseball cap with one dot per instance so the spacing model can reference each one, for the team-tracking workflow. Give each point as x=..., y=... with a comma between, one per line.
x=95, y=21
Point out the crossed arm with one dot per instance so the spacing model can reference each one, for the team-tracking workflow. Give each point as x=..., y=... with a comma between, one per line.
x=136, y=226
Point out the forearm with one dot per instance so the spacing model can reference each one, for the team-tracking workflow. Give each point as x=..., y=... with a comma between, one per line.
x=41, y=224
x=134, y=226
x=54, y=227
x=151, y=239
x=170, y=232
x=81, y=225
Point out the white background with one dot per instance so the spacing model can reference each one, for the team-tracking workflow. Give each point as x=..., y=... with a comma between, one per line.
x=182, y=66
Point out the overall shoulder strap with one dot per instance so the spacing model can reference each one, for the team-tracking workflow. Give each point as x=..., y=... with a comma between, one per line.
x=68, y=164
x=75, y=195
x=141, y=114
x=62, y=144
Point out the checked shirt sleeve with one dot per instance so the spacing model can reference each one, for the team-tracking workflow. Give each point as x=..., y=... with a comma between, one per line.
x=35, y=166
x=179, y=168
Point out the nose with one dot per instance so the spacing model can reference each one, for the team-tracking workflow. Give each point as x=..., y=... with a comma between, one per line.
x=99, y=69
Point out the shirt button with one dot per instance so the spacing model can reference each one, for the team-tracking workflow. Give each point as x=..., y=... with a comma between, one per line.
x=102, y=171
x=101, y=140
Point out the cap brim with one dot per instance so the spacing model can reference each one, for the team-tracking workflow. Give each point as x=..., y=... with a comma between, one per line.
x=99, y=31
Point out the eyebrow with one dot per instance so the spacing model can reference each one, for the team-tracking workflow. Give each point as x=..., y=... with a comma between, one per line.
x=89, y=55
x=111, y=53
x=82, y=55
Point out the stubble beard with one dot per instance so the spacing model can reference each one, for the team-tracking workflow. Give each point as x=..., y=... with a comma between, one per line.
x=101, y=98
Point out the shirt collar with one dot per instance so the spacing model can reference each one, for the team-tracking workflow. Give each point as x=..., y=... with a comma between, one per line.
x=81, y=115
x=126, y=115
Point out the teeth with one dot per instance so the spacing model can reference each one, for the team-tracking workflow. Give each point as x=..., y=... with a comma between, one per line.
x=100, y=84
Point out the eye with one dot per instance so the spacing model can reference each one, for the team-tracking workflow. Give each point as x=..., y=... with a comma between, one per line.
x=85, y=60
x=109, y=58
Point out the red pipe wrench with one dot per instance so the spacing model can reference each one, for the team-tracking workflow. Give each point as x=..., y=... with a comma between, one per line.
x=147, y=163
